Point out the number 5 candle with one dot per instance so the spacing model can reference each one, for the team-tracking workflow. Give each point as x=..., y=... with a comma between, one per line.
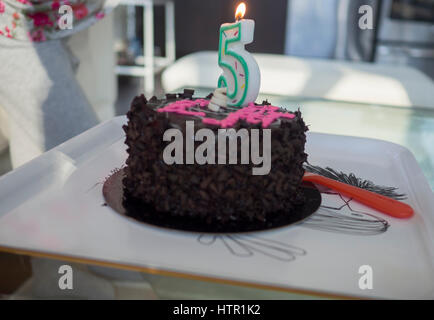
x=241, y=75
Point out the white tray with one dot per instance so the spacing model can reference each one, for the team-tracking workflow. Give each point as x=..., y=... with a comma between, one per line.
x=53, y=206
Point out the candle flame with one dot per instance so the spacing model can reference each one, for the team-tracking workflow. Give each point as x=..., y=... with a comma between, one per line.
x=241, y=11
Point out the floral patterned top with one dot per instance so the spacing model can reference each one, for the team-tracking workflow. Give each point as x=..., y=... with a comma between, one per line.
x=38, y=20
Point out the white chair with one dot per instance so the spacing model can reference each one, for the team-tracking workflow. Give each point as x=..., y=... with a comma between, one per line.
x=358, y=82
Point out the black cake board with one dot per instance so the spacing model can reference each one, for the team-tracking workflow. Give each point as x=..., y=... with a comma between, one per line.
x=144, y=213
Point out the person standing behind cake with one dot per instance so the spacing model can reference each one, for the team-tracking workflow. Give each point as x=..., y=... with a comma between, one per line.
x=45, y=104
x=39, y=91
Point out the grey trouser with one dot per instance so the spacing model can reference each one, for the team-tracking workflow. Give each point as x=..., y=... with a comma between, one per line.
x=43, y=101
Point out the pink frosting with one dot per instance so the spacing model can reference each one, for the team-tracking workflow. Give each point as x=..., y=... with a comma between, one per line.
x=182, y=106
x=252, y=114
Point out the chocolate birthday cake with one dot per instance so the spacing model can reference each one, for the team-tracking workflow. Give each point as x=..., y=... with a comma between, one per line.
x=184, y=172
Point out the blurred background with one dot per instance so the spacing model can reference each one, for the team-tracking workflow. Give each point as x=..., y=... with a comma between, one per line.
x=402, y=34
x=403, y=30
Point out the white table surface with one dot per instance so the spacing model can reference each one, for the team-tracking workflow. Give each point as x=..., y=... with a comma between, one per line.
x=52, y=207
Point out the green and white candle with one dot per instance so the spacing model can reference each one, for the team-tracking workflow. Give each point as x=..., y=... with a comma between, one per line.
x=241, y=75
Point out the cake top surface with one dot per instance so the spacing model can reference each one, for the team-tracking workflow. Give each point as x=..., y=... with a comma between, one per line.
x=184, y=105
